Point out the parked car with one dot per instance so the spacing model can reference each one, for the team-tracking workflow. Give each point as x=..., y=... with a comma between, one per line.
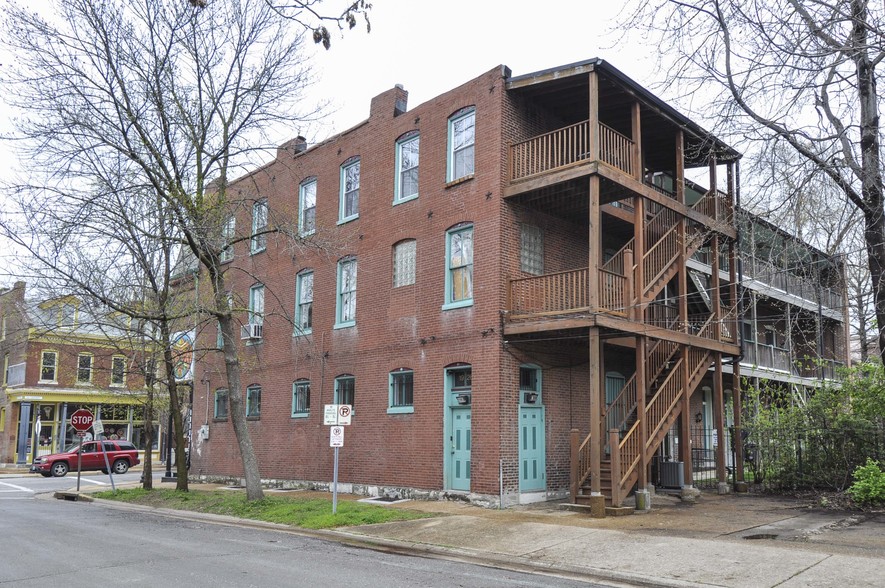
x=121, y=455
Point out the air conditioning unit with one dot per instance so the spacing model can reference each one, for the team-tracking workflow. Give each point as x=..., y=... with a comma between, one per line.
x=251, y=331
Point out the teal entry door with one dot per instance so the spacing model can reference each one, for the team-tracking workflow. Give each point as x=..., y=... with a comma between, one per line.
x=459, y=450
x=532, y=458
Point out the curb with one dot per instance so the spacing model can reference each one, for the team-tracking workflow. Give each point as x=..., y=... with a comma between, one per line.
x=364, y=541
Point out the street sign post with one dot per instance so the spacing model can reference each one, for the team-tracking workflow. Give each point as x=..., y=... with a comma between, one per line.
x=336, y=416
x=336, y=440
x=81, y=420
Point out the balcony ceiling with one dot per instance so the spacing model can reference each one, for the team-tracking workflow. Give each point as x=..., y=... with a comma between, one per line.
x=566, y=93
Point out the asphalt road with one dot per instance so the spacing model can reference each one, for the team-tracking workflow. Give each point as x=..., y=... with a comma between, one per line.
x=49, y=542
x=18, y=487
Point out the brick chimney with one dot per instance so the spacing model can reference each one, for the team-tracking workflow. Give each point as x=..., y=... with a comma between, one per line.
x=391, y=103
x=292, y=147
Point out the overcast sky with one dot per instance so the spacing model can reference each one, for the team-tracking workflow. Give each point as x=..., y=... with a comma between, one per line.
x=432, y=46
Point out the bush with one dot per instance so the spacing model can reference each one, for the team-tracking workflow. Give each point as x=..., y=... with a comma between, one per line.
x=869, y=484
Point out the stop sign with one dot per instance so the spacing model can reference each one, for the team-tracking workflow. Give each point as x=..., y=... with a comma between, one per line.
x=81, y=420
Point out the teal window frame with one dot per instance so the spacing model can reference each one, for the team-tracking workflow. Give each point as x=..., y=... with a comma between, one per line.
x=345, y=390
x=459, y=271
x=228, y=231
x=307, y=207
x=461, y=145
x=401, y=386
x=535, y=386
x=304, y=303
x=345, y=295
x=253, y=402
x=407, y=166
x=349, y=197
x=221, y=407
x=300, y=399
x=258, y=242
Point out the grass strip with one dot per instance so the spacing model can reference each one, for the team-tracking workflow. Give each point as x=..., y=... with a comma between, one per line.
x=308, y=513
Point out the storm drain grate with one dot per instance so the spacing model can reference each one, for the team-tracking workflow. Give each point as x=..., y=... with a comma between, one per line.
x=761, y=536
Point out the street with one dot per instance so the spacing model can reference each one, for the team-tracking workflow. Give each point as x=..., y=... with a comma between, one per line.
x=55, y=542
x=28, y=486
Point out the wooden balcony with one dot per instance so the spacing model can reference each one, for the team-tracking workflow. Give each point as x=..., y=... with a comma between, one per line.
x=567, y=292
x=569, y=146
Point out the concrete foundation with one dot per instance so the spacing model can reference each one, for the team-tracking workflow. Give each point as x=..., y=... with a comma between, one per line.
x=724, y=488
x=643, y=501
x=689, y=494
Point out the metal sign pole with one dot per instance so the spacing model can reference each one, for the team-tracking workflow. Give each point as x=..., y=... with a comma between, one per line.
x=79, y=457
x=335, y=485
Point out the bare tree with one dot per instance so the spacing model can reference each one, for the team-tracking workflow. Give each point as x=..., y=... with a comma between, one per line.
x=795, y=73
x=117, y=254
x=179, y=96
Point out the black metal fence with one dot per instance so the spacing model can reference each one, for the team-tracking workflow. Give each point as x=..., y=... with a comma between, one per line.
x=784, y=459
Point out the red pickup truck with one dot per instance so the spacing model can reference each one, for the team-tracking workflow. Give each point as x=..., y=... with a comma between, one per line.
x=122, y=455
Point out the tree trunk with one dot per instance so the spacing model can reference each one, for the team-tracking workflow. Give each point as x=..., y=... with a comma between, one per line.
x=175, y=408
x=234, y=389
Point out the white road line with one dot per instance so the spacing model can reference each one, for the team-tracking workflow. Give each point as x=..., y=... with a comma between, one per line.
x=96, y=482
x=15, y=488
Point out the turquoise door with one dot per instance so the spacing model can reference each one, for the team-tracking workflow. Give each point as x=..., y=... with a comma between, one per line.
x=532, y=459
x=459, y=456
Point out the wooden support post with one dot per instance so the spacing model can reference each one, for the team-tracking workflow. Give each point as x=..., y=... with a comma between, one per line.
x=713, y=188
x=719, y=420
x=685, y=420
x=736, y=412
x=716, y=295
x=596, y=404
x=639, y=254
x=641, y=391
x=593, y=116
x=638, y=168
x=614, y=442
x=679, y=180
x=575, y=444
x=594, y=243
x=630, y=286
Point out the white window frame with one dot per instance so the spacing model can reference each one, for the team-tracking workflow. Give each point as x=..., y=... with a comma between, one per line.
x=350, y=190
x=300, y=405
x=260, y=213
x=345, y=299
x=256, y=304
x=307, y=201
x=406, y=166
x=461, y=141
x=395, y=379
x=405, y=256
x=453, y=270
x=303, y=305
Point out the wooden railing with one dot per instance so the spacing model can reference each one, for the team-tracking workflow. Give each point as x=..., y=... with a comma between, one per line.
x=567, y=146
x=624, y=461
x=550, y=151
x=559, y=292
x=615, y=149
x=613, y=293
x=661, y=404
x=622, y=407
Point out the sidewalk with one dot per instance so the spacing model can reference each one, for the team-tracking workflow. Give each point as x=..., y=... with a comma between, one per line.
x=740, y=541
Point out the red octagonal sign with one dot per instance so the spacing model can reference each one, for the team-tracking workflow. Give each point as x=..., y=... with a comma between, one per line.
x=81, y=420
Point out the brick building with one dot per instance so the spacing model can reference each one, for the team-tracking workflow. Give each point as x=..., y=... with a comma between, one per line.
x=497, y=280
x=59, y=356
